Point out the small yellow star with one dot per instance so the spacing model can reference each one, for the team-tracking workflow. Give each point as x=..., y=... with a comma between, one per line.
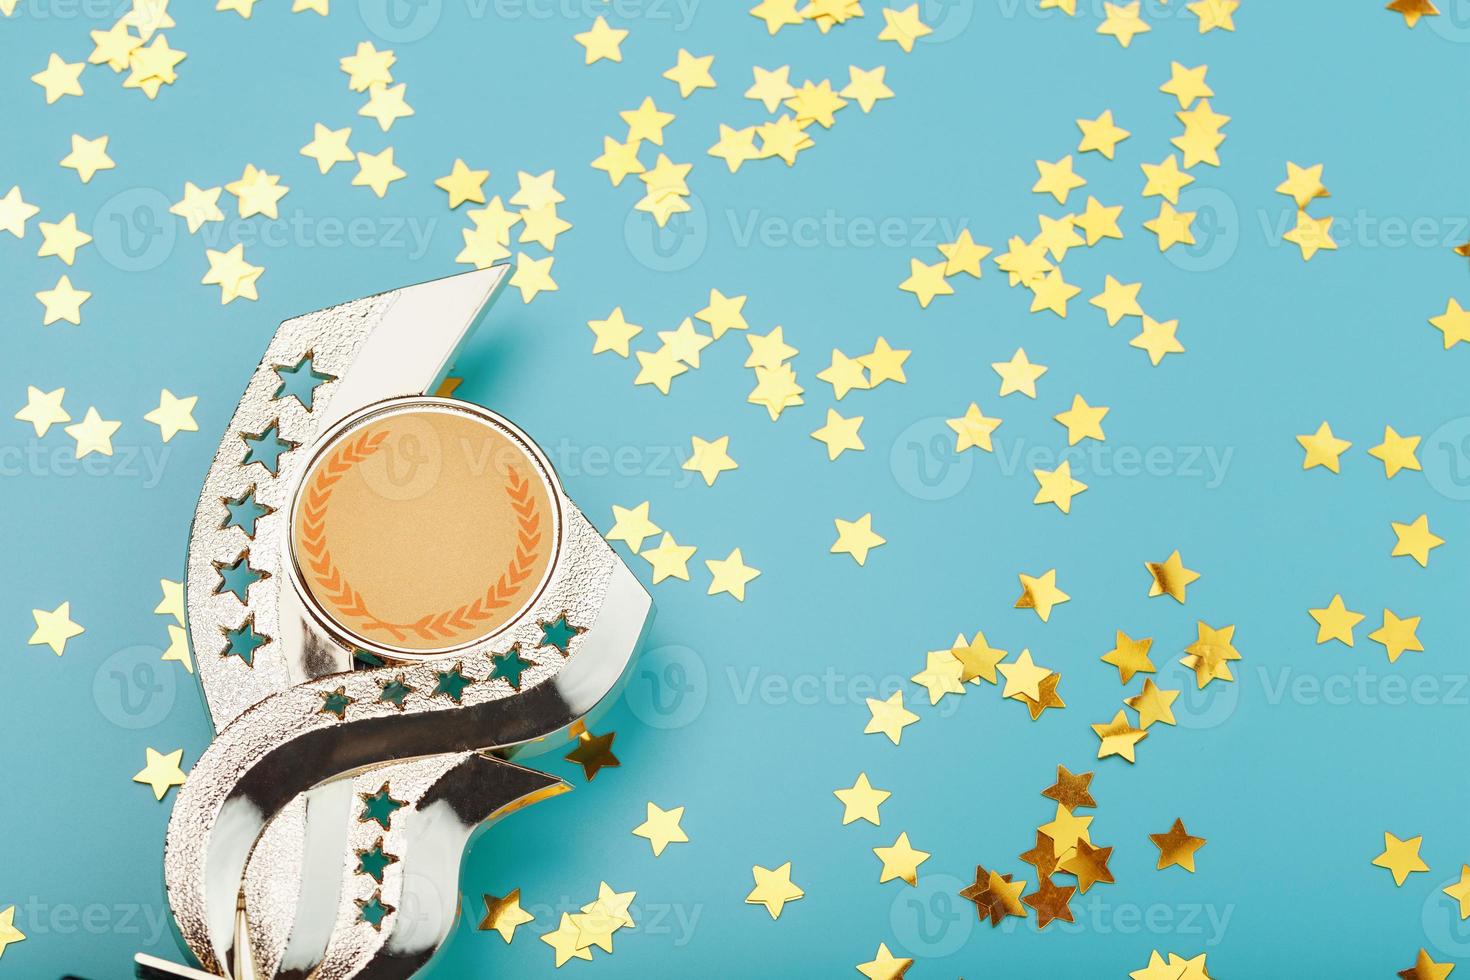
x=730, y=575
x=328, y=147
x=368, y=67
x=63, y=302
x=839, y=434
x=1130, y=656
x=901, y=861
x=1123, y=22
x=59, y=78
x=161, y=772
x=1053, y=293
x=856, y=538
x=314, y=6
x=1101, y=135
x=386, y=104
x=1425, y=968
x=618, y=160
x=903, y=27
x=889, y=717
x=1165, y=179
x=773, y=889
x=662, y=828
x=533, y=276
x=62, y=239
x=1302, y=184
x=736, y=147
x=15, y=211
x=1187, y=84
x=691, y=73
x=1118, y=300
x=884, y=965
x=1336, y=621
x=710, y=458
x=670, y=559
x=377, y=171
x=1118, y=737
x=1023, y=677
x=1396, y=452
x=1018, y=374
x=54, y=628
x=43, y=409
x=776, y=13
x=1412, y=10
x=1415, y=540
x=1057, y=486
x=87, y=157
x=866, y=87
x=504, y=915
x=658, y=368
x=1400, y=857
x=926, y=282
x=1041, y=594
x=1153, y=704
x=172, y=603
x=93, y=434
x=564, y=939
x=613, y=333
x=542, y=225
x=978, y=659
x=1157, y=339
x=1323, y=449
x=1214, y=14
x=1099, y=221
x=1172, y=227
x=769, y=350
x=1170, y=577
x=963, y=255
x=258, y=192
x=1311, y=235
x=178, y=648
x=631, y=526
x=114, y=47
x=1083, y=421
x=723, y=313
x=844, y=374
x=1057, y=179
x=861, y=800
x=885, y=363
x=771, y=87
x=235, y=277
x=199, y=206
x=1460, y=891
x=646, y=123
x=242, y=7
x=601, y=42
x=173, y=415
x=941, y=675
x=973, y=430
x=8, y=932
x=1454, y=323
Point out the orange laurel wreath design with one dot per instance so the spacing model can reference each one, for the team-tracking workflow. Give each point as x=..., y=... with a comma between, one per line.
x=340, y=593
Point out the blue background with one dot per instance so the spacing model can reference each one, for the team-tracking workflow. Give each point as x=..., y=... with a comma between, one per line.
x=731, y=715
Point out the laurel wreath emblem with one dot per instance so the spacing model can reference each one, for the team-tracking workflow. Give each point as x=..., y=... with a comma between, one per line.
x=338, y=592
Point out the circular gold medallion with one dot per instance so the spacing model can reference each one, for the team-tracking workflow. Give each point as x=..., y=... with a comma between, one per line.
x=423, y=526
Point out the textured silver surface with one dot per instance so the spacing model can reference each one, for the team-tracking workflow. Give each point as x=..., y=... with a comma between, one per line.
x=265, y=813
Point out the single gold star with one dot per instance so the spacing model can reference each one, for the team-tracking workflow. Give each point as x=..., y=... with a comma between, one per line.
x=8, y=932
x=978, y=659
x=856, y=538
x=93, y=434
x=1400, y=857
x=662, y=828
x=1118, y=300
x=1157, y=339
x=866, y=87
x=328, y=147
x=889, y=717
x=1130, y=656
x=901, y=861
x=15, y=212
x=963, y=255
x=771, y=88
x=839, y=434
x=593, y=753
x=1153, y=704
x=1311, y=235
x=1123, y=22
x=776, y=14
x=926, y=282
x=1023, y=677
x=860, y=801
x=1170, y=577
x=844, y=374
x=1018, y=374
x=769, y=351
x=43, y=409
x=1089, y=864
x=1412, y=10
x=1210, y=654
x=54, y=628
x=463, y=184
x=1415, y=540
x=564, y=940
x=670, y=559
x=1454, y=323
x=1118, y=737
x=735, y=146
x=691, y=73
x=114, y=47
x=199, y=206
x=1172, y=227
x=940, y=676
x=1176, y=847
x=59, y=78
x=1041, y=594
x=1083, y=421
x=386, y=104
x=601, y=42
x=63, y=302
x=613, y=333
x=87, y=157
x=1323, y=449
x=377, y=171
x=542, y=225
x=62, y=239
x=619, y=160
x=1053, y=293
x=1424, y=967
x=504, y=914
x=161, y=772
x=1214, y=14
x=1098, y=221
x=1057, y=486
x=258, y=192
x=533, y=276
x=631, y=526
x=368, y=67
x=973, y=430
x=1057, y=179
x=773, y=889
x=1397, y=635
x=646, y=123
x=723, y=313
x=1336, y=621
x=235, y=277
x=730, y=575
x=710, y=458
x=173, y=415
x=903, y=27
x=1187, y=84
x=1165, y=179
x=1396, y=452
x=884, y=965
x=1459, y=891
x=658, y=368
x=1101, y=135
x=1302, y=184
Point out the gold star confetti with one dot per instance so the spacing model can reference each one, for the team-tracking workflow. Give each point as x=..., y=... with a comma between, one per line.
x=1170, y=577
x=368, y=67
x=601, y=42
x=1214, y=14
x=647, y=123
x=235, y=277
x=1311, y=235
x=59, y=78
x=889, y=717
x=161, y=772
x=1153, y=704
x=1123, y=22
x=1323, y=449
x=1118, y=300
x=730, y=575
x=691, y=73
x=593, y=753
x=1041, y=594
x=776, y=389
x=328, y=147
x=844, y=374
x=856, y=538
x=173, y=415
x=15, y=212
x=1130, y=656
x=1177, y=847
x=884, y=965
x=670, y=559
x=1397, y=635
x=8, y=932
x=504, y=914
x=114, y=47
x=152, y=67
x=658, y=368
x=1412, y=10
x=866, y=87
x=172, y=603
x=839, y=434
x=771, y=88
x=87, y=157
x=963, y=255
x=1023, y=677
x=1098, y=221
x=973, y=430
x=1018, y=374
x=43, y=409
x=63, y=302
x=62, y=239
x=377, y=171
x=1101, y=135
x=614, y=333
x=1415, y=540
x=861, y=800
x=1118, y=737
x=1336, y=621
x=93, y=434
x=565, y=940
x=661, y=828
x=619, y=160
x=178, y=648
x=940, y=676
x=736, y=147
x=1210, y=654
x=773, y=889
x=533, y=276
x=1057, y=487
x=903, y=27
x=995, y=896
x=1396, y=452
x=1303, y=184
x=710, y=458
x=631, y=526
x=901, y=860
x=1165, y=179
x=1082, y=421
x=199, y=206
x=1157, y=339
x=1187, y=84
x=978, y=659
x=54, y=628
x=1172, y=227
x=258, y=192
x=776, y=14
x=386, y=104
x=1057, y=179
x=926, y=282
x=1459, y=891
x=1425, y=968
x=1400, y=857
x=1453, y=323
x=463, y=184
x=816, y=103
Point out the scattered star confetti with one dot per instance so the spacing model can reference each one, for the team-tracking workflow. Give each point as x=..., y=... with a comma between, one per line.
x=1400, y=857
x=161, y=772
x=662, y=828
x=773, y=889
x=1177, y=847
x=856, y=538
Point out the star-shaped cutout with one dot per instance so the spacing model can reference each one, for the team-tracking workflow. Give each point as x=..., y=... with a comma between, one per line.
x=661, y=828
x=773, y=889
x=1170, y=577
x=1336, y=621
x=889, y=717
x=861, y=800
x=1176, y=847
x=173, y=414
x=1040, y=593
x=900, y=860
x=161, y=772
x=856, y=538
x=1400, y=857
